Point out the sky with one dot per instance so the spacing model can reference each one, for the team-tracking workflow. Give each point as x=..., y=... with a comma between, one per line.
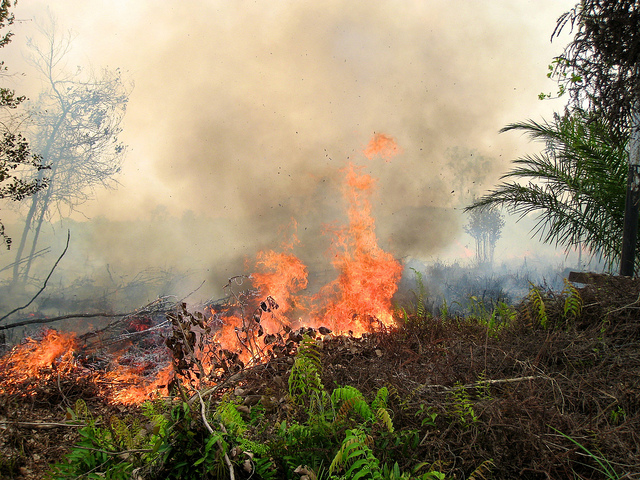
x=243, y=114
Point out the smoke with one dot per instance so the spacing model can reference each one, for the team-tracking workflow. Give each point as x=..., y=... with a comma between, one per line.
x=243, y=114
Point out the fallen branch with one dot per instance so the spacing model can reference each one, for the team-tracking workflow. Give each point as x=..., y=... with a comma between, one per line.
x=144, y=310
x=44, y=285
x=61, y=317
x=487, y=382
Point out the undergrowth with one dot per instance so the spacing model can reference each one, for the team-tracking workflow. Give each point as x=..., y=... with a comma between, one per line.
x=331, y=435
x=319, y=433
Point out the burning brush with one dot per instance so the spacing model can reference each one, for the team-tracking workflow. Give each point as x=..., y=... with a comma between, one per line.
x=152, y=351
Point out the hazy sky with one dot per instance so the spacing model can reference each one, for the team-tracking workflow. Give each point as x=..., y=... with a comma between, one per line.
x=244, y=112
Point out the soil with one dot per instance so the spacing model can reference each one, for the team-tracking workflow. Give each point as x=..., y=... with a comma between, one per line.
x=536, y=391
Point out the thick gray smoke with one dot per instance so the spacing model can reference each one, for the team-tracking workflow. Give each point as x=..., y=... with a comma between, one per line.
x=243, y=114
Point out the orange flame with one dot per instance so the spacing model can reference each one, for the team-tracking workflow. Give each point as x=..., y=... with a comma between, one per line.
x=368, y=276
x=282, y=276
x=29, y=359
x=383, y=145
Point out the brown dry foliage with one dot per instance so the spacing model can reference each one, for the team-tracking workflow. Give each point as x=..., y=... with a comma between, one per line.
x=579, y=376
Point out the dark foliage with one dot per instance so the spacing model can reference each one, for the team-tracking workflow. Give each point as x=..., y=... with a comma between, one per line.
x=600, y=68
x=15, y=153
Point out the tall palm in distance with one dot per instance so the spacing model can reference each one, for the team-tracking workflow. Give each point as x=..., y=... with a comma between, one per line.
x=575, y=188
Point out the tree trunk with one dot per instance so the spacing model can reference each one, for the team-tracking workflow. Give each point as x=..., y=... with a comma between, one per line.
x=36, y=234
x=34, y=204
x=632, y=203
x=23, y=239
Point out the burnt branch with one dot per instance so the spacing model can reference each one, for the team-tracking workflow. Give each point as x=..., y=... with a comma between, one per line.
x=34, y=321
x=44, y=285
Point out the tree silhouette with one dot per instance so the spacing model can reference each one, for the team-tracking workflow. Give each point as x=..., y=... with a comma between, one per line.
x=485, y=226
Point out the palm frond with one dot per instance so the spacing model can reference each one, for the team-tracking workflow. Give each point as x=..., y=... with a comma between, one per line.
x=575, y=187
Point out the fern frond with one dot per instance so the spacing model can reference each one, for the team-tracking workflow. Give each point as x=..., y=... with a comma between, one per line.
x=482, y=471
x=385, y=418
x=355, y=456
x=121, y=432
x=229, y=415
x=350, y=399
x=573, y=300
x=421, y=294
x=535, y=297
x=381, y=398
x=81, y=410
x=304, y=380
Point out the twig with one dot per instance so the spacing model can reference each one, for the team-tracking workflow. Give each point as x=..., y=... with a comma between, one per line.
x=126, y=336
x=625, y=306
x=232, y=379
x=488, y=382
x=26, y=259
x=115, y=454
x=40, y=424
x=44, y=285
x=64, y=397
x=160, y=307
x=219, y=442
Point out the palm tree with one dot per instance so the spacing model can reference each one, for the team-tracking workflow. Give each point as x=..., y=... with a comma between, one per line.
x=575, y=187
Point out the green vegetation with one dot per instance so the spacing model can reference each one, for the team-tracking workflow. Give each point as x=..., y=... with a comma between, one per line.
x=575, y=187
x=478, y=396
x=339, y=435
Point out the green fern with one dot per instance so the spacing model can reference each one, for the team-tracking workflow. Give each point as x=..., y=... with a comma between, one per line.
x=123, y=432
x=540, y=311
x=483, y=389
x=381, y=398
x=462, y=406
x=356, y=458
x=229, y=415
x=572, y=302
x=305, y=384
x=383, y=415
x=350, y=399
x=421, y=294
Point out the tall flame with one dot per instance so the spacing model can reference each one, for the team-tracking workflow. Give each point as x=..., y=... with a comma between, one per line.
x=368, y=276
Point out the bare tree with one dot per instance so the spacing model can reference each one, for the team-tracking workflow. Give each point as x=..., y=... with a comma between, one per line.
x=76, y=123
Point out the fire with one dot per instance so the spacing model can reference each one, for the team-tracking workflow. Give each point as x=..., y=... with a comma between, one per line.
x=368, y=276
x=357, y=301
x=383, y=145
x=53, y=354
x=58, y=356
x=280, y=275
